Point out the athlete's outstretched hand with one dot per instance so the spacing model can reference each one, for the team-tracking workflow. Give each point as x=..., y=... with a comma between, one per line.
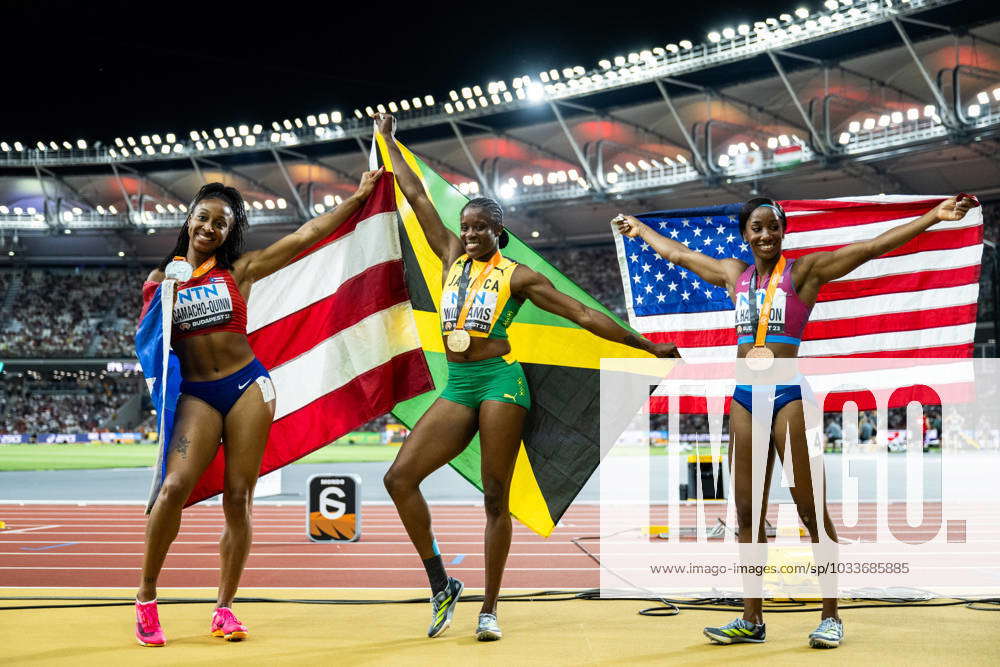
x=386, y=124
x=368, y=180
x=663, y=350
x=955, y=208
x=627, y=225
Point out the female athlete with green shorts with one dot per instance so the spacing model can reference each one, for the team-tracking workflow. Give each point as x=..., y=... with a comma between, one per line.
x=482, y=293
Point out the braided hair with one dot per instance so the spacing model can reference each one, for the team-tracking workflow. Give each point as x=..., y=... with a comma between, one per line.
x=493, y=211
x=755, y=203
x=232, y=247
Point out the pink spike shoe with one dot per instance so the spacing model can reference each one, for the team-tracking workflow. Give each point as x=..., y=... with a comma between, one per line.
x=225, y=624
x=147, y=624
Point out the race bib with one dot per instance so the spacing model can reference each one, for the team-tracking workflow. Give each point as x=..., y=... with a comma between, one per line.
x=744, y=327
x=203, y=306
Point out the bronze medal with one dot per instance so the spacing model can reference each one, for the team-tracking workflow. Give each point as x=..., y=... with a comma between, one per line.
x=759, y=358
x=459, y=340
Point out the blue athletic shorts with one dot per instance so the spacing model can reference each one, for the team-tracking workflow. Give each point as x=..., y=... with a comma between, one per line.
x=783, y=394
x=223, y=393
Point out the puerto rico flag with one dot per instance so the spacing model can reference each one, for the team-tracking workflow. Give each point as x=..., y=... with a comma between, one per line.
x=334, y=328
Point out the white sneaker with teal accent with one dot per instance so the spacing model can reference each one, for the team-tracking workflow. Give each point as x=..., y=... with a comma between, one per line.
x=737, y=632
x=443, y=606
x=488, y=629
x=829, y=634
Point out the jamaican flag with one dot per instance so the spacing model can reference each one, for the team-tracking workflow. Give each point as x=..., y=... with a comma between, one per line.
x=561, y=446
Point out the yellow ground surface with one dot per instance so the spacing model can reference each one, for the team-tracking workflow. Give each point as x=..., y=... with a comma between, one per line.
x=574, y=632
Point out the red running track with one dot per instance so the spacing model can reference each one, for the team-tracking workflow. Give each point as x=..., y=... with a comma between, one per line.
x=101, y=546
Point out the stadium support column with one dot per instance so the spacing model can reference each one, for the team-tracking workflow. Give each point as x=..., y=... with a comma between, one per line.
x=197, y=170
x=817, y=139
x=486, y=186
x=291, y=187
x=133, y=218
x=576, y=149
x=698, y=159
x=946, y=112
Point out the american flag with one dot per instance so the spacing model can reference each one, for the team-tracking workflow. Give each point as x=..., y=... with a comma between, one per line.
x=334, y=328
x=916, y=301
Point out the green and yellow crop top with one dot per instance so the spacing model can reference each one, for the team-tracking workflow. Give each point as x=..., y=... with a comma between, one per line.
x=492, y=309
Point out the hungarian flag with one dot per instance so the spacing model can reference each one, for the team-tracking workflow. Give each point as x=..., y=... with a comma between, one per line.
x=560, y=448
x=335, y=330
x=916, y=302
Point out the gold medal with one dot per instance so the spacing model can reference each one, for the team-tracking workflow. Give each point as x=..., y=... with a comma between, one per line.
x=459, y=340
x=759, y=358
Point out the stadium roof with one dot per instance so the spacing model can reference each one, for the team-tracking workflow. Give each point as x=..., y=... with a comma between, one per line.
x=884, y=121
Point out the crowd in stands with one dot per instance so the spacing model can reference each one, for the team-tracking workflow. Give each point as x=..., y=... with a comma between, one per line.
x=596, y=270
x=71, y=313
x=62, y=402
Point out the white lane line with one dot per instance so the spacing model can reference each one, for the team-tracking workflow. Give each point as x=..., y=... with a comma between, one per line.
x=28, y=530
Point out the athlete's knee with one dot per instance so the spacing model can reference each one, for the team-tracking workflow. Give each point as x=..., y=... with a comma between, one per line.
x=495, y=498
x=174, y=491
x=237, y=498
x=397, y=482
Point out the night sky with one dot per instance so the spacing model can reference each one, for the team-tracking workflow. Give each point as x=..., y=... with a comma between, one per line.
x=97, y=70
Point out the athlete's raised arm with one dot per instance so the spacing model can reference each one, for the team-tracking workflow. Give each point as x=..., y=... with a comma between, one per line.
x=819, y=268
x=256, y=264
x=444, y=244
x=529, y=284
x=719, y=272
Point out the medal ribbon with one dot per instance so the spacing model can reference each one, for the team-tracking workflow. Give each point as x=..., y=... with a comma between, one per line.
x=761, y=319
x=467, y=293
x=205, y=267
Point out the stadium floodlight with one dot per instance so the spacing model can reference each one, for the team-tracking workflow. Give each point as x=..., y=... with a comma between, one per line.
x=930, y=111
x=269, y=204
x=130, y=141
x=249, y=141
x=459, y=106
x=150, y=150
x=81, y=144
x=100, y=210
x=466, y=92
x=685, y=44
x=974, y=110
x=869, y=123
x=913, y=113
x=884, y=120
x=714, y=37
x=996, y=94
x=211, y=144
x=165, y=149
x=5, y=147
x=41, y=146
x=830, y=4
x=193, y=135
x=681, y=159
x=287, y=124
x=275, y=138
x=783, y=140
x=470, y=103
x=156, y=139
x=380, y=108
x=537, y=179
x=728, y=33
x=243, y=131
x=281, y=203
x=743, y=29
x=310, y=121
x=237, y=142
x=785, y=18
x=67, y=216
x=298, y=123
x=983, y=97
x=171, y=208
x=897, y=117
x=18, y=210
x=53, y=145
x=854, y=127
x=604, y=63
x=535, y=92
x=802, y=12
x=526, y=179
x=477, y=91
x=18, y=146
x=10, y=253
x=160, y=209
x=448, y=108
x=218, y=133
x=121, y=253
x=732, y=150
x=67, y=231
x=724, y=161
x=845, y=138
x=404, y=105
x=144, y=140
x=112, y=209
x=257, y=128
x=68, y=146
